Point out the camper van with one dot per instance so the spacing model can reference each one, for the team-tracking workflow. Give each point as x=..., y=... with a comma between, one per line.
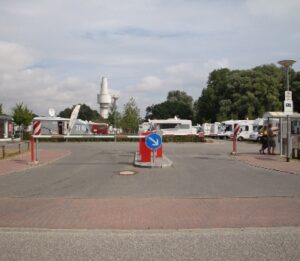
x=214, y=129
x=257, y=125
x=246, y=128
x=206, y=128
x=173, y=126
x=227, y=127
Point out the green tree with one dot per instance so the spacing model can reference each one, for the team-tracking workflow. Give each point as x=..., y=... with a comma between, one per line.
x=181, y=97
x=85, y=113
x=22, y=116
x=241, y=94
x=114, y=117
x=131, y=117
x=178, y=104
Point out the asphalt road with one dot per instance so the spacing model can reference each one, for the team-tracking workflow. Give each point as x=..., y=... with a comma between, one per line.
x=199, y=171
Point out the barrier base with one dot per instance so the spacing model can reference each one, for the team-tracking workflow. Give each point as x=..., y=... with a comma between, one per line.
x=163, y=162
x=33, y=162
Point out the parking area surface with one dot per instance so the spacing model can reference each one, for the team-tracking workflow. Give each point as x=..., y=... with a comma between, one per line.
x=205, y=188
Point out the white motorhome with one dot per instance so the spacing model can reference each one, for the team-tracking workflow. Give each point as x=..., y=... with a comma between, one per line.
x=206, y=128
x=226, y=129
x=246, y=128
x=173, y=126
x=214, y=129
x=257, y=125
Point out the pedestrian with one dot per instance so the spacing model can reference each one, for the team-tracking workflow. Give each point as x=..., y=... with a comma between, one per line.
x=264, y=139
x=271, y=140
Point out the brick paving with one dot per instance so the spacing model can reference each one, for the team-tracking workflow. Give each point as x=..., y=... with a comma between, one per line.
x=22, y=162
x=149, y=213
x=271, y=162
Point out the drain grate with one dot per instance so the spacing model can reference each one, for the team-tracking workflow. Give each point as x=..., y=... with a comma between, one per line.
x=127, y=172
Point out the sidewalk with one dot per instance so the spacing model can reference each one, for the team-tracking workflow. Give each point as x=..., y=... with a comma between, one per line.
x=270, y=162
x=22, y=162
x=148, y=213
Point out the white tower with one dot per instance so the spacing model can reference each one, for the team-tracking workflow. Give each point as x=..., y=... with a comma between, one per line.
x=104, y=98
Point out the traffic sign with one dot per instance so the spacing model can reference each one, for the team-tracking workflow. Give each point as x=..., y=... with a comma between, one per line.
x=153, y=141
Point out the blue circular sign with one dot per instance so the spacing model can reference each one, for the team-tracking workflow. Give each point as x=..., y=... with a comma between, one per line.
x=153, y=141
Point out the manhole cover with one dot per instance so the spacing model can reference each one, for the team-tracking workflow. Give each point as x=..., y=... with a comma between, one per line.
x=127, y=172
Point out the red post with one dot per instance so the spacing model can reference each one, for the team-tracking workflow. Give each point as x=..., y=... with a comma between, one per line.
x=145, y=152
x=32, y=148
x=234, y=138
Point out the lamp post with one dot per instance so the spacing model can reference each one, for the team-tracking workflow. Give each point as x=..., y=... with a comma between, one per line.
x=115, y=98
x=288, y=102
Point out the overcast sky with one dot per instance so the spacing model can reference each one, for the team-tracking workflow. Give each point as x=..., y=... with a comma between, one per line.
x=53, y=53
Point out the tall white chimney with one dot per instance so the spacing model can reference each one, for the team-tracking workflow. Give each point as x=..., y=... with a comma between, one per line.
x=104, y=98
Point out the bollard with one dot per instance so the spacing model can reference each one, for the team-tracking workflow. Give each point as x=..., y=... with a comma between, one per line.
x=19, y=145
x=3, y=151
x=32, y=148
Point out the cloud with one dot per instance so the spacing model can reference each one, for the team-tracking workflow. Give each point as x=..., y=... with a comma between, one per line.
x=37, y=88
x=189, y=77
x=275, y=8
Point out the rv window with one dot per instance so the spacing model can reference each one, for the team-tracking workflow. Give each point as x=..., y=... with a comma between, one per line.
x=228, y=128
x=184, y=126
x=166, y=126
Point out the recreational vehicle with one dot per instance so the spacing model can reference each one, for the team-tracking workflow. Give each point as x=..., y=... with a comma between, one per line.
x=173, y=126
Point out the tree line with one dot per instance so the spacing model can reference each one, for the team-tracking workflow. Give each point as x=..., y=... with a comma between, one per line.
x=229, y=94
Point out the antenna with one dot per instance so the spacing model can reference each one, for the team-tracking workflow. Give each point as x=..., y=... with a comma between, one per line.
x=51, y=112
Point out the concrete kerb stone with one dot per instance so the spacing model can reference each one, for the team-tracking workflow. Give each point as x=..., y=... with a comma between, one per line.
x=163, y=162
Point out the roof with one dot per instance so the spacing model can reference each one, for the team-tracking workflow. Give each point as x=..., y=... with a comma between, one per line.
x=280, y=114
x=5, y=117
x=51, y=119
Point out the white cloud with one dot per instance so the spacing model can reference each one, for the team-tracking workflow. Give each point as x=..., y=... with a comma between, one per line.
x=37, y=88
x=275, y=8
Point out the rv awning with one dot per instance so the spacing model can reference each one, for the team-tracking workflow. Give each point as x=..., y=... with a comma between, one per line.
x=280, y=114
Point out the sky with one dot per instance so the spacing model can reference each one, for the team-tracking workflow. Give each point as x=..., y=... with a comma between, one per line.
x=53, y=53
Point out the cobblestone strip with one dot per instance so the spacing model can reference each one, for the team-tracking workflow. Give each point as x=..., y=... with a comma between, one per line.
x=271, y=162
x=21, y=162
x=145, y=213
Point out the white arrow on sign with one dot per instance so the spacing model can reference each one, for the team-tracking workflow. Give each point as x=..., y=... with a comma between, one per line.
x=155, y=142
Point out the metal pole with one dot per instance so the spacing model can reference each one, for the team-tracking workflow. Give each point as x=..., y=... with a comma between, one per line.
x=287, y=140
x=36, y=150
x=32, y=148
x=287, y=79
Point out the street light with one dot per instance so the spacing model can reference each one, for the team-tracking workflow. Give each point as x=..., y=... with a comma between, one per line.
x=288, y=102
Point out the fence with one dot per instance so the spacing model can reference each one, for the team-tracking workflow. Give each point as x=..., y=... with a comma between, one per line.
x=14, y=148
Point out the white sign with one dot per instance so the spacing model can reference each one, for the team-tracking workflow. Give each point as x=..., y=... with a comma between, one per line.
x=288, y=96
x=288, y=107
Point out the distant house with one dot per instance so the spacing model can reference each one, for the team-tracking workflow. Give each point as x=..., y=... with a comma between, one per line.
x=6, y=127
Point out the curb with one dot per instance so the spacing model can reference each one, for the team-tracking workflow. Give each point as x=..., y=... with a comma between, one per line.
x=159, y=163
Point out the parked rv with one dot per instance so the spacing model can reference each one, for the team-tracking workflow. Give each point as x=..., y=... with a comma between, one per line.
x=173, y=126
x=214, y=129
x=246, y=128
x=257, y=125
x=206, y=128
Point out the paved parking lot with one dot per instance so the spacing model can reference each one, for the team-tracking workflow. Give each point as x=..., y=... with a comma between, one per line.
x=249, y=203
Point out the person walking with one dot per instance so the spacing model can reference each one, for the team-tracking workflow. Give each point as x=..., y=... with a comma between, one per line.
x=271, y=140
x=264, y=139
